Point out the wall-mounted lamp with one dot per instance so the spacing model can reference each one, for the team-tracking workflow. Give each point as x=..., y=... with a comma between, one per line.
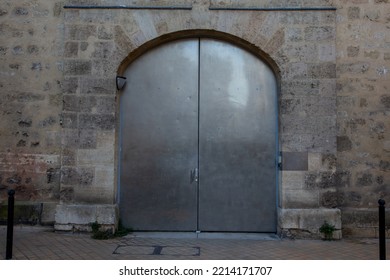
x=120, y=82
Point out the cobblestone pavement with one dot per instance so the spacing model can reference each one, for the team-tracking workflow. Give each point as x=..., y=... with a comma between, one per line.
x=32, y=243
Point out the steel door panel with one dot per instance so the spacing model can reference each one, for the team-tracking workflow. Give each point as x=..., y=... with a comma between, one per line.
x=159, y=134
x=237, y=141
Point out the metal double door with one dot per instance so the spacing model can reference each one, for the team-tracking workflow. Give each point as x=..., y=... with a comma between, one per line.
x=198, y=140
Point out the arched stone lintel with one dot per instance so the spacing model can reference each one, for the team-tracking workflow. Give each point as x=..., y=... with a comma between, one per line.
x=201, y=33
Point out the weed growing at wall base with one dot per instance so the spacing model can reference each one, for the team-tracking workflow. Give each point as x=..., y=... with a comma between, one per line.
x=107, y=234
x=327, y=229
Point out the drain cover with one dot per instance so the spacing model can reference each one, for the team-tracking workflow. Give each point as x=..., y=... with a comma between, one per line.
x=157, y=250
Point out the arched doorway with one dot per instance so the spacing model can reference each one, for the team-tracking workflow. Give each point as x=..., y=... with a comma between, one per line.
x=198, y=126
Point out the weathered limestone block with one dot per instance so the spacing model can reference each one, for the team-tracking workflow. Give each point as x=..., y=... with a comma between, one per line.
x=99, y=86
x=332, y=199
x=77, y=176
x=322, y=162
x=343, y=143
x=300, y=199
x=79, y=217
x=48, y=213
x=310, y=142
x=91, y=157
x=319, y=33
x=276, y=42
x=30, y=213
x=71, y=49
x=353, y=13
x=327, y=179
x=23, y=172
x=87, y=139
x=363, y=222
x=77, y=67
x=80, y=31
x=293, y=180
x=305, y=223
x=297, y=161
x=97, y=121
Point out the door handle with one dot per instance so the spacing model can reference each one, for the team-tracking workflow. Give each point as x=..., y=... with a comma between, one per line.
x=194, y=175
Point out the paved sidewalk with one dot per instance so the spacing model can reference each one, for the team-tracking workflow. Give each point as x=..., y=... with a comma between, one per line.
x=35, y=243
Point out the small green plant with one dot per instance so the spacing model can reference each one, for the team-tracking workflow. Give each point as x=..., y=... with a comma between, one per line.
x=97, y=233
x=327, y=229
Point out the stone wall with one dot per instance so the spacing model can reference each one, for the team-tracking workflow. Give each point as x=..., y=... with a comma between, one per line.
x=363, y=110
x=59, y=102
x=30, y=106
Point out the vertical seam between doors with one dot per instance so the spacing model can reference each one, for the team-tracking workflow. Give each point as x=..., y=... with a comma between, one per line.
x=199, y=176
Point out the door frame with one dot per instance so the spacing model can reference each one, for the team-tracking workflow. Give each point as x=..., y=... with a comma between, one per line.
x=191, y=34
